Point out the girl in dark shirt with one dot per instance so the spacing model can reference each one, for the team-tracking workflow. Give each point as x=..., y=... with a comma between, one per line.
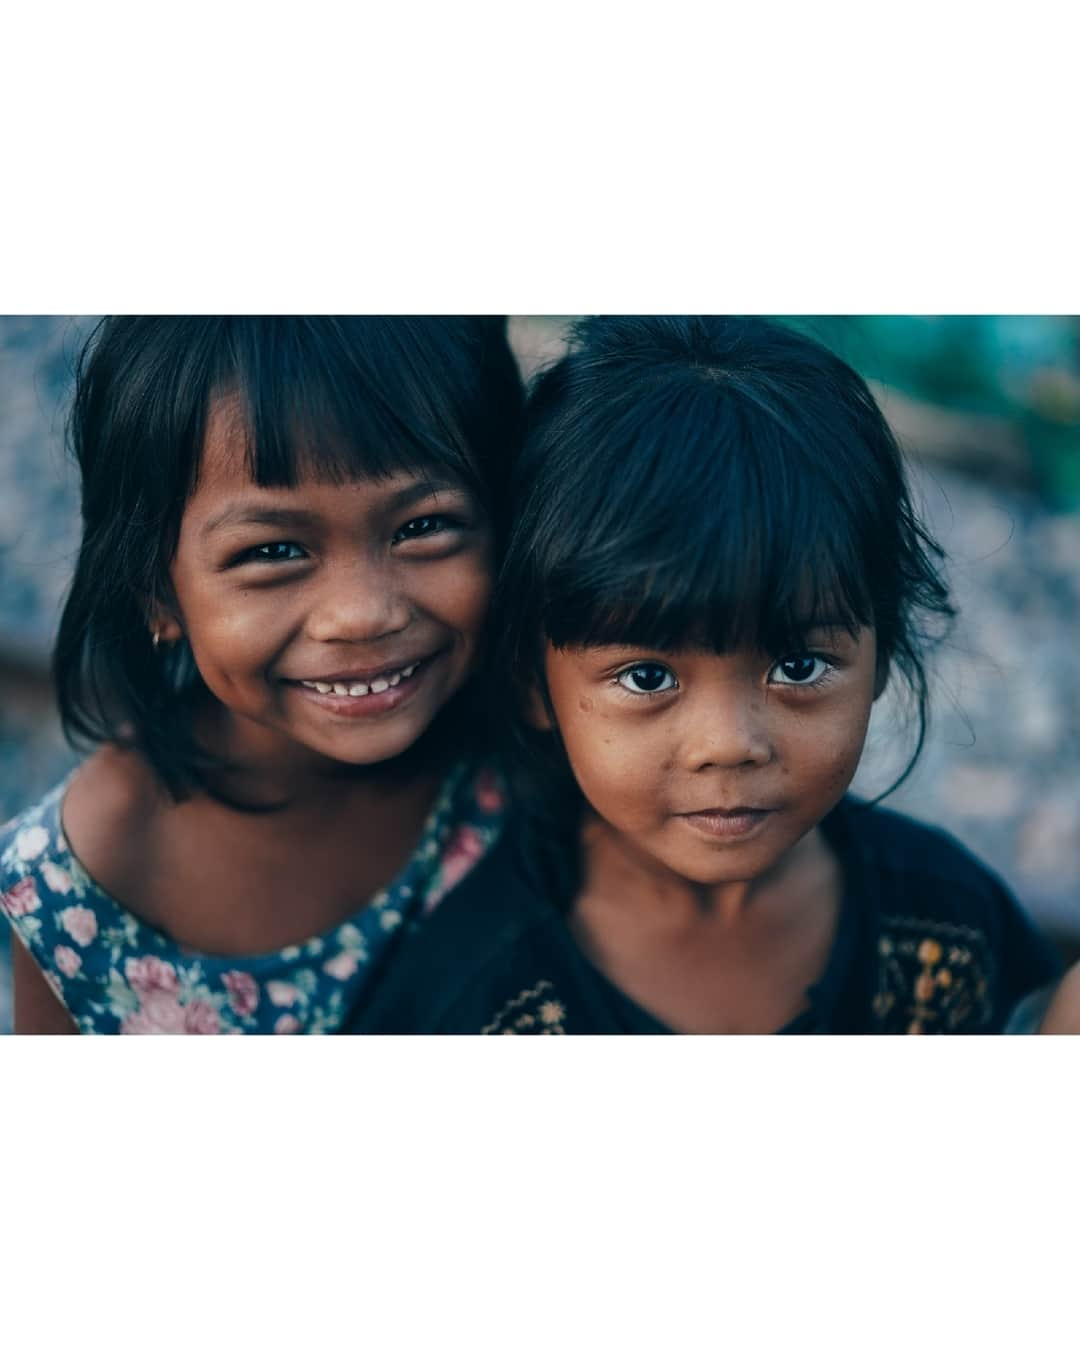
x=714, y=571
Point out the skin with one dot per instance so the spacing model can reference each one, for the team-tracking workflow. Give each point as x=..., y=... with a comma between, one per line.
x=1063, y=1015
x=356, y=578
x=712, y=932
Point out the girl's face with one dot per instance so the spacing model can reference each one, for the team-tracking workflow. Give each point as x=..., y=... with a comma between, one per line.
x=340, y=618
x=714, y=766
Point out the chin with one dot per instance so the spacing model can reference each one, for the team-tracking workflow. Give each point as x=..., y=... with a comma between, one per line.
x=373, y=749
x=714, y=870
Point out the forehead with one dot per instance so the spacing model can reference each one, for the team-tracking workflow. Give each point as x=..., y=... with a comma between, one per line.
x=224, y=457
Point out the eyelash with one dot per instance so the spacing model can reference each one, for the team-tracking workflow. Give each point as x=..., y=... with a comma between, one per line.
x=816, y=683
x=830, y=669
x=627, y=671
x=258, y=554
x=444, y=524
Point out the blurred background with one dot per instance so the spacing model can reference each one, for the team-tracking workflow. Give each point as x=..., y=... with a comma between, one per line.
x=988, y=411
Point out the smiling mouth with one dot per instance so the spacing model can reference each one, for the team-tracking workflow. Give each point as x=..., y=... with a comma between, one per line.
x=353, y=687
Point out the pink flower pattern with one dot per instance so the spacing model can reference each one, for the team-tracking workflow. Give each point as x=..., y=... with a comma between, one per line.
x=21, y=899
x=243, y=992
x=67, y=960
x=148, y=974
x=57, y=880
x=117, y=974
x=343, y=966
x=282, y=994
x=464, y=850
x=160, y=1014
x=31, y=842
x=80, y=923
x=201, y=1018
x=490, y=796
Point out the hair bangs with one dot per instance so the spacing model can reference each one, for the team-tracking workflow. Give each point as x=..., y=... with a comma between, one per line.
x=316, y=401
x=713, y=530
x=767, y=597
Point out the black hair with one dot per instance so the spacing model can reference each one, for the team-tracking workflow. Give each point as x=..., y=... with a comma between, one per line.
x=340, y=397
x=705, y=482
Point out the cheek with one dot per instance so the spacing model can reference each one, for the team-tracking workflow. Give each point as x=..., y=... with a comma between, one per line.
x=618, y=771
x=234, y=630
x=830, y=751
x=459, y=598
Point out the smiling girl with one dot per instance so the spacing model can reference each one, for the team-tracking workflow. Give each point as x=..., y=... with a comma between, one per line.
x=272, y=635
x=714, y=571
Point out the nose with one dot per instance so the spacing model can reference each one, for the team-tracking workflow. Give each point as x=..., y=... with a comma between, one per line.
x=358, y=604
x=727, y=732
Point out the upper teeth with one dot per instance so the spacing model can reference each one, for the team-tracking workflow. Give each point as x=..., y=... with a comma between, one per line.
x=358, y=690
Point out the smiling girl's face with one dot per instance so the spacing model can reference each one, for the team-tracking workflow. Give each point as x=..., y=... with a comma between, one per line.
x=337, y=617
x=714, y=766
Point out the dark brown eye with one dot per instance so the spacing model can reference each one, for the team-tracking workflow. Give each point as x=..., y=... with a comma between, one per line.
x=649, y=677
x=279, y=551
x=425, y=526
x=800, y=669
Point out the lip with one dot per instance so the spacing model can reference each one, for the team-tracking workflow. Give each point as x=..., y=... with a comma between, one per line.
x=355, y=675
x=348, y=707
x=737, y=823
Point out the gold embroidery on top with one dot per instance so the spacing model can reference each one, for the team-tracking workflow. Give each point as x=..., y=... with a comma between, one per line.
x=532, y=1012
x=932, y=977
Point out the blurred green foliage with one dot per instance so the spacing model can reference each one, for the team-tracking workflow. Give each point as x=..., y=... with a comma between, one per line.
x=1021, y=368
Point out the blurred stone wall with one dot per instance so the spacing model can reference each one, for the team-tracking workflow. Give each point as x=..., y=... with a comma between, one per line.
x=1001, y=768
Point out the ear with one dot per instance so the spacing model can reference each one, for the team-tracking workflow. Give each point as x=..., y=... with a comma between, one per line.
x=163, y=622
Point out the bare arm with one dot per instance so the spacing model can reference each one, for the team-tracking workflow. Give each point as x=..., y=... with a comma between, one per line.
x=1063, y=1015
x=38, y=1012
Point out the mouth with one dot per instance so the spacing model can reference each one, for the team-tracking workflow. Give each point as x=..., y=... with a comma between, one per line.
x=362, y=684
x=736, y=823
x=364, y=692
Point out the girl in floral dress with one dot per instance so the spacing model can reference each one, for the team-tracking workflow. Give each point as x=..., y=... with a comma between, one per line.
x=271, y=642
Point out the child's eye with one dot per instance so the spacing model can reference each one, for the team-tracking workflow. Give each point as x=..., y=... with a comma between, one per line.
x=423, y=527
x=648, y=677
x=802, y=668
x=279, y=551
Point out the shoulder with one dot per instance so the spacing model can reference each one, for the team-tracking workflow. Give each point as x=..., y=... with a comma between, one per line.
x=27, y=842
x=107, y=817
x=111, y=799
x=40, y=891
x=66, y=920
x=955, y=948
x=919, y=866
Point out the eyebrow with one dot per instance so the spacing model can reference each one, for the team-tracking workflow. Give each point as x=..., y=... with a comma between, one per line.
x=249, y=513
x=239, y=514
x=418, y=492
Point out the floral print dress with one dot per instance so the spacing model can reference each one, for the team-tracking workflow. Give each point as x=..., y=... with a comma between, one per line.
x=115, y=973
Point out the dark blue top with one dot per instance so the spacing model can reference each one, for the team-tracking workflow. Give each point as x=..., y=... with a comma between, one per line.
x=928, y=941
